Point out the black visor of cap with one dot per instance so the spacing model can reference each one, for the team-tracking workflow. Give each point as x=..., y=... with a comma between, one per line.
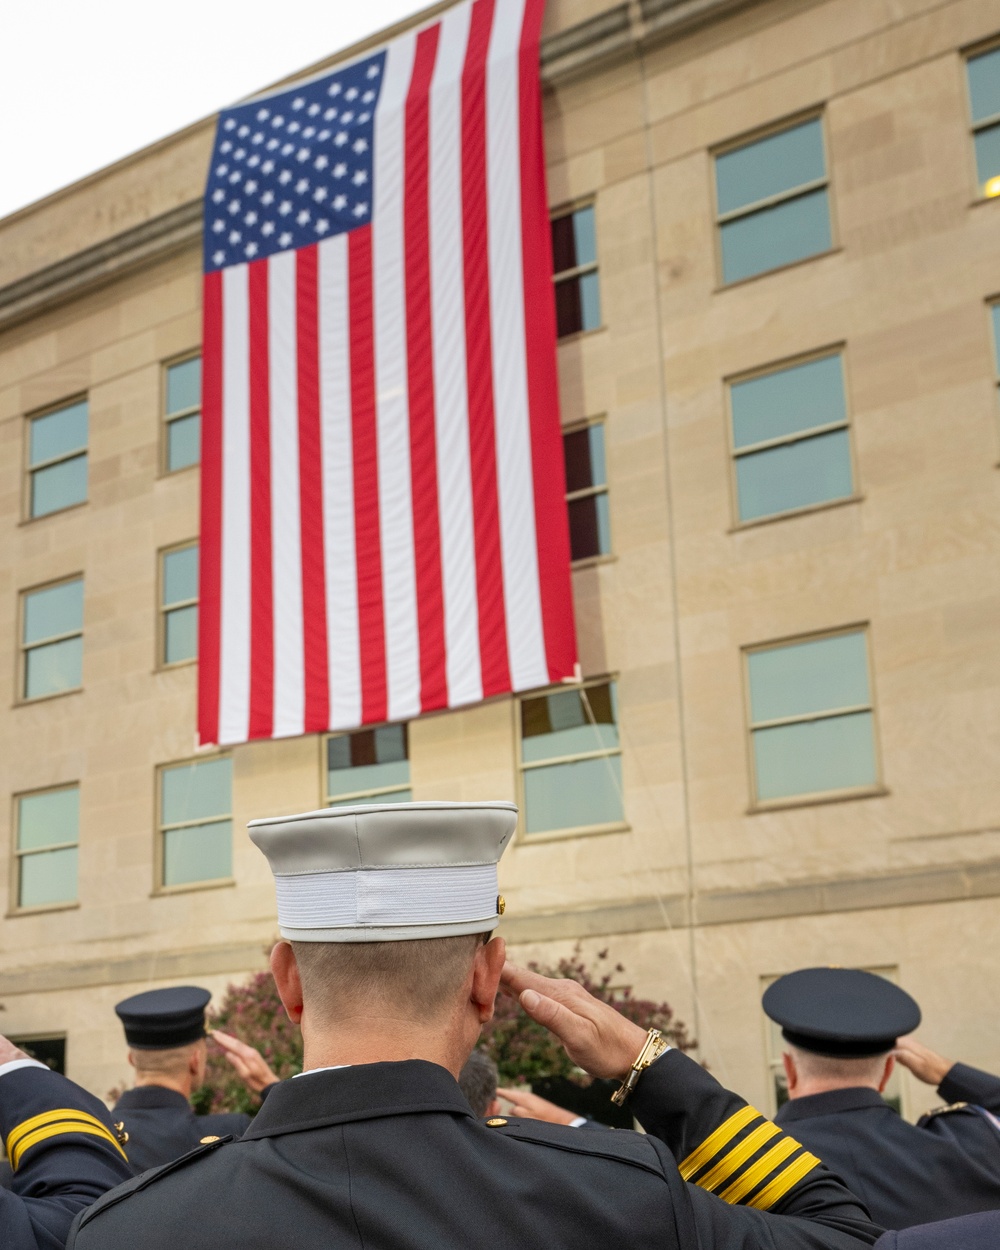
x=163, y=1019
x=841, y=1012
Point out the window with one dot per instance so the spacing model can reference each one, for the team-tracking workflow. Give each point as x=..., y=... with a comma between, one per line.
x=811, y=721
x=182, y=415
x=52, y=639
x=49, y=1049
x=373, y=764
x=571, y=764
x=196, y=826
x=984, y=97
x=587, y=492
x=179, y=604
x=995, y=322
x=791, y=445
x=776, y=1046
x=48, y=831
x=57, y=459
x=574, y=248
x=773, y=201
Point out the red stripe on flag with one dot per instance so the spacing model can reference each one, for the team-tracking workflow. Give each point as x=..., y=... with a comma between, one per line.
x=371, y=609
x=479, y=357
x=210, y=547
x=420, y=369
x=316, y=669
x=548, y=465
x=261, y=574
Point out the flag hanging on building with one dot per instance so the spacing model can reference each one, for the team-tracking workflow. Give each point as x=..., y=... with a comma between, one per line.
x=383, y=526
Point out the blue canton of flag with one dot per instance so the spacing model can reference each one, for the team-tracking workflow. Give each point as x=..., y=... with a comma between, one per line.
x=293, y=168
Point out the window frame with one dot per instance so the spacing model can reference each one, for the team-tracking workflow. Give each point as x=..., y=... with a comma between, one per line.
x=160, y=889
x=734, y=454
x=576, y=831
x=21, y=654
x=969, y=54
x=162, y=609
x=168, y=418
x=814, y=797
x=746, y=140
x=359, y=795
x=27, y=518
x=589, y=492
x=578, y=271
x=14, y=907
x=992, y=311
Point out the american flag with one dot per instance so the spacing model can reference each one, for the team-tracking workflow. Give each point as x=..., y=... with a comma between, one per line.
x=384, y=529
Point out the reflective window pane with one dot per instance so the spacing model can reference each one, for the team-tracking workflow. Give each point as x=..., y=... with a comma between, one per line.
x=53, y=668
x=776, y=236
x=570, y=722
x=195, y=791
x=984, y=85
x=589, y=527
x=988, y=159
x=180, y=575
x=794, y=475
x=574, y=795
x=58, y=486
x=788, y=401
x=574, y=241
x=815, y=756
x=184, y=385
x=198, y=853
x=584, y=454
x=58, y=433
x=770, y=166
x=578, y=305
x=368, y=760
x=48, y=877
x=806, y=677
x=394, y=796
x=180, y=635
x=48, y=819
x=53, y=611
x=183, y=442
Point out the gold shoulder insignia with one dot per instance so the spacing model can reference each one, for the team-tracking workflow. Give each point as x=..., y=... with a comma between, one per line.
x=952, y=1106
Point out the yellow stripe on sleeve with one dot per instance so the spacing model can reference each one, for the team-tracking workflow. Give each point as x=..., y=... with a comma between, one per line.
x=47, y=1117
x=780, y=1186
x=712, y=1144
x=764, y=1166
x=730, y=1164
x=51, y=1123
x=59, y=1130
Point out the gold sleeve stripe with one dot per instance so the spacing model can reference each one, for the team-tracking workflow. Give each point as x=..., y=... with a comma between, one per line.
x=731, y=1163
x=712, y=1144
x=48, y=1124
x=763, y=1168
x=780, y=1186
x=48, y=1117
x=59, y=1130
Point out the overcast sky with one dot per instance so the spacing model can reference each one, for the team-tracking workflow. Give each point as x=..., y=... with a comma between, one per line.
x=85, y=82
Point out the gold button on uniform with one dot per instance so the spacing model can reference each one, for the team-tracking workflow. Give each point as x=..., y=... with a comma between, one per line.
x=497, y=1122
x=207, y=1141
x=501, y=904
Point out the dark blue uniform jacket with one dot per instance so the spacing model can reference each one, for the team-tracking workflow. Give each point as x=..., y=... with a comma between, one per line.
x=389, y=1156
x=946, y=1165
x=161, y=1125
x=63, y=1151
x=968, y=1232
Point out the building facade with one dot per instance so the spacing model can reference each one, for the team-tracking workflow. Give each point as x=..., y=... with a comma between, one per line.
x=777, y=247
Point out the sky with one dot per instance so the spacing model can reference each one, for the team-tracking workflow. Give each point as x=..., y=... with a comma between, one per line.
x=86, y=83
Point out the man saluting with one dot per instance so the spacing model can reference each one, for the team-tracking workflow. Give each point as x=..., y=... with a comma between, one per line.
x=386, y=961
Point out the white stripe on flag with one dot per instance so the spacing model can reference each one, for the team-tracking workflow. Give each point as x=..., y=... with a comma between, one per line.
x=399, y=579
x=338, y=486
x=234, y=643
x=458, y=550
x=519, y=553
x=286, y=494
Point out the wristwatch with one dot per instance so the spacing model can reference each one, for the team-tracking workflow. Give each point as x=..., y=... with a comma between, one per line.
x=653, y=1047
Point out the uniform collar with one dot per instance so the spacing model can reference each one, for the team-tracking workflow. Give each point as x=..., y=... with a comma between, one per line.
x=362, y=1092
x=145, y=1097
x=833, y=1102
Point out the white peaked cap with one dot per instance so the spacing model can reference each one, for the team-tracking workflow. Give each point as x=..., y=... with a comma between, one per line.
x=387, y=872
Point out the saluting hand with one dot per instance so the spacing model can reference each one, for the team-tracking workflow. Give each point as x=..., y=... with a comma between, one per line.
x=529, y=1106
x=925, y=1065
x=249, y=1063
x=596, y=1037
x=9, y=1052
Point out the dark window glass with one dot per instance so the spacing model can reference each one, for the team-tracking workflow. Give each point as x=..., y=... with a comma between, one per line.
x=586, y=492
x=574, y=245
x=372, y=762
x=48, y=1050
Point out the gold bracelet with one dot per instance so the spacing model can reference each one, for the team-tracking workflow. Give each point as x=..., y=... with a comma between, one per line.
x=652, y=1048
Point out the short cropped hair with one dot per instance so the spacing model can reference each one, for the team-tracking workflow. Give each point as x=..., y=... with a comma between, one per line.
x=478, y=1081
x=172, y=1062
x=865, y=1071
x=418, y=979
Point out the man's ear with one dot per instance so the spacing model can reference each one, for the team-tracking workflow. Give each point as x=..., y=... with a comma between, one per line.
x=486, y=970
x=791, y=1072
x=285, y=971
x=890, y=1067
x=131, y=1059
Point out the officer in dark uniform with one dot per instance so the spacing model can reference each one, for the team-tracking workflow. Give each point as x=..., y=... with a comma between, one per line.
x=387, y=911
x=165, y=1030
x=62, y=1147
x=845, y=1030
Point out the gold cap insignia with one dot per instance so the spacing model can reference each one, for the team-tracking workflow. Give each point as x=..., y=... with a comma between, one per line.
x=501, y=904
x=207, y=1141
x=497, y=1122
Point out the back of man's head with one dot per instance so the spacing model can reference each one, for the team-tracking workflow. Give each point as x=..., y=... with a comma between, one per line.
x=478, y=1081
x=811, y=1073
x=174, y=1063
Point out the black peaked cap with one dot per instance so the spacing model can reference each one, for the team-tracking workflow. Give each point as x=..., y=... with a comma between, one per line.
x=162, y=1019
x=841, y=1012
